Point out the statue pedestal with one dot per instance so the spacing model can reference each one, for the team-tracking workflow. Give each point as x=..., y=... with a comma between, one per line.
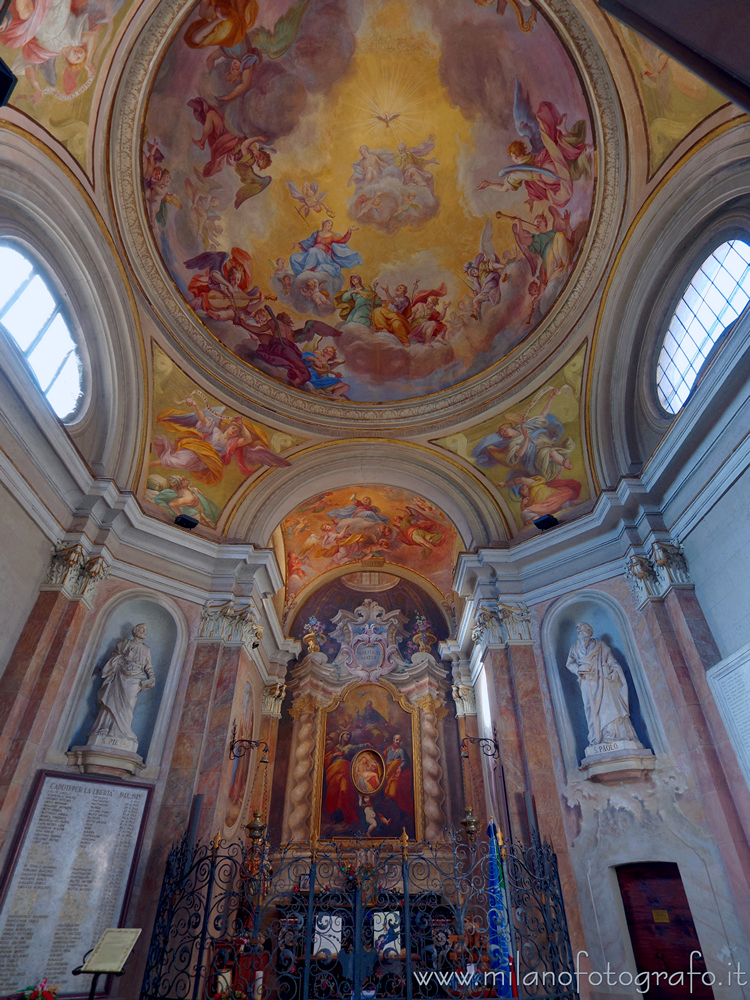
x=619, y=760
x=107, y=755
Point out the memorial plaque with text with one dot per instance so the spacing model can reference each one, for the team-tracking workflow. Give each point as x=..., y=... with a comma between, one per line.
x=68, y=878
x=730, y=683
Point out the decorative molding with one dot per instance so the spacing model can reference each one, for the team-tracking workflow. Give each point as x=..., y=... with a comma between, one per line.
x=231, y=625
x=273, y=697
x=75, y=573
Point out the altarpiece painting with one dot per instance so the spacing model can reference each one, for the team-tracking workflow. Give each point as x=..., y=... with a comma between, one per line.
x=370, y=766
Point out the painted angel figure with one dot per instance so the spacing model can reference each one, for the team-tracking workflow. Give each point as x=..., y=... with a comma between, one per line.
x=310, y=200
x=548, y=157
x=208, y=441
x=413, y=162
x=205, y=210
x=370, y=166
x=245, y=49
x=42, y=31
x=224, y=290
x=244, y=153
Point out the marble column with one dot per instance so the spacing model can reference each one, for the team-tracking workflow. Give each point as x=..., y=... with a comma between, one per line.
x=686, y=649
x=527, y=736
x=273, y=697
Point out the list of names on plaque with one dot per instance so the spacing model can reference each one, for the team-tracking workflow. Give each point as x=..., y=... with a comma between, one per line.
x=731, y=687
x=69, y=880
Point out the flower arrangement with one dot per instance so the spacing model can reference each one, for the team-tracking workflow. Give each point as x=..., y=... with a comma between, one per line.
x=314, y=626
x=315, y=634
x=40, y=992
x=231, y=994
x=422, y=629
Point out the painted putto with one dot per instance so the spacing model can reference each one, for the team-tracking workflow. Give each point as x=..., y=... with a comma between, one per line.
x=368, y=202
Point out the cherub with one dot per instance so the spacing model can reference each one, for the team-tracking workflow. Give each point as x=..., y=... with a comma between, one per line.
x=309, y=198
x=312, y=289
x=323, y=363
x=204, y=208
x=158, y=195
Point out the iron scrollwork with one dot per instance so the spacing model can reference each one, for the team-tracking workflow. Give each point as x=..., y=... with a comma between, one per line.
x=392, y=920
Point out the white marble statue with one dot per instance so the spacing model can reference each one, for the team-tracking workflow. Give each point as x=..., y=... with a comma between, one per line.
x=603, y=688
x=125, y=674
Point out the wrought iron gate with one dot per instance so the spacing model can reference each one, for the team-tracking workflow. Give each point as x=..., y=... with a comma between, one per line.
x=322, y=920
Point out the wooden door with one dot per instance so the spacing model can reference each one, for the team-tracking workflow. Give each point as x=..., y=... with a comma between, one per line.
x=662, y=931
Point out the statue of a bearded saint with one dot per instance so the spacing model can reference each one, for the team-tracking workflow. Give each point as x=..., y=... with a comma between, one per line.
x=125, y=674
x=603, y=688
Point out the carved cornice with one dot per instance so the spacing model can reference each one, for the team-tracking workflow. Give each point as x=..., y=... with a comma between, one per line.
x=234, y=626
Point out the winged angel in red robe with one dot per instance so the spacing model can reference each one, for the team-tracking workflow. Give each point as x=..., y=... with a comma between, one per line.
x=548, y=157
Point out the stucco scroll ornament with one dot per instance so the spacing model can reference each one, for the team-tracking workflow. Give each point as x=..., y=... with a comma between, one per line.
x=273, y=696
x=126, y=673
x=641, y=577
x=369, y=640
x=604, y=691
x=74, y=572
x=465, y=699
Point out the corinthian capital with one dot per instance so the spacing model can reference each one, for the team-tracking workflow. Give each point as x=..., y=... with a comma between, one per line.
x=232, y=625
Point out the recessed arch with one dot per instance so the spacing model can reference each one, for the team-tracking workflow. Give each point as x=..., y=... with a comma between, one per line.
x=702, y=202
x=459, y=493
x=46, y=213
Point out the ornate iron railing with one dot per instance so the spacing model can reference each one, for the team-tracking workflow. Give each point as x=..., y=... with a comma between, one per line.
x=402, y=921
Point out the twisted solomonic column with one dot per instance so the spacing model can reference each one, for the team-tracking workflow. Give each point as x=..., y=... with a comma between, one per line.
x=300, y=781
x=431, y=709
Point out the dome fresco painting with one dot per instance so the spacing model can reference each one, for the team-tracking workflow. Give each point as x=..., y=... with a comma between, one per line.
x=368, y=202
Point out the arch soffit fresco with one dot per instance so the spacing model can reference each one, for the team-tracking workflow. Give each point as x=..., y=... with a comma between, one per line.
x=462, y=496
x=283, y=402
x=321, y=581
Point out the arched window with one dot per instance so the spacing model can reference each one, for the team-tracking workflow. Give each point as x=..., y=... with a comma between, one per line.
x=31, y=314
x=715, y=297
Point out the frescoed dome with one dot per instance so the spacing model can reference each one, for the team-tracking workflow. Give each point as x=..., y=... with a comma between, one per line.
x=368, y=202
